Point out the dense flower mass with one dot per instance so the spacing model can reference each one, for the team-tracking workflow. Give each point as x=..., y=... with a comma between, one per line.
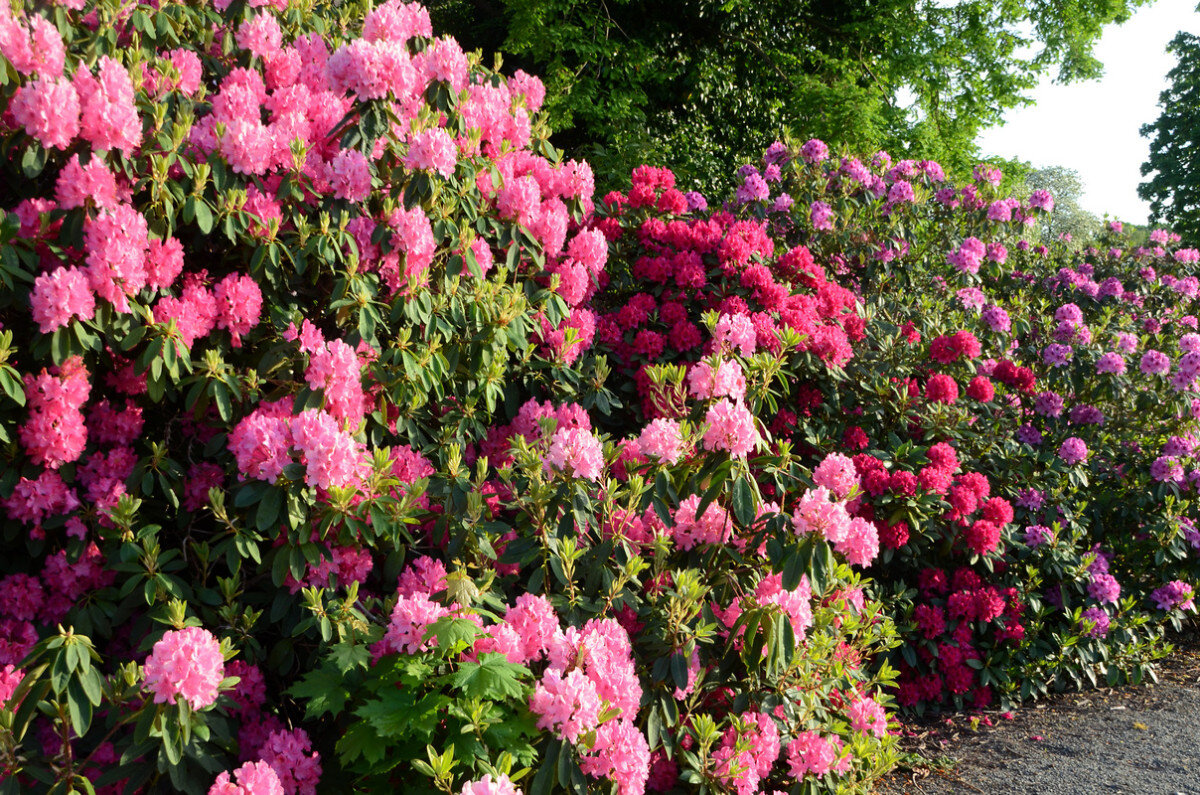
x=311, y=336
x=185, y=662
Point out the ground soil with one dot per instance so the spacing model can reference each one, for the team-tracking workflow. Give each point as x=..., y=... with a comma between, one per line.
x=1143, y=740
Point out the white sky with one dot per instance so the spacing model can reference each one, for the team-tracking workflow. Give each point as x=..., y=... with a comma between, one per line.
x=1093, y=127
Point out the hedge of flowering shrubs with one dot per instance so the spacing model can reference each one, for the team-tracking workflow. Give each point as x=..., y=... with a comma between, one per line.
x=350, y=441
x=301, y=489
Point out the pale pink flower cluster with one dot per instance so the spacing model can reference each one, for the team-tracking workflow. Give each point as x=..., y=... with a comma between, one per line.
x=336, y=369
x=714, y=526
x=185, y=662
x=431, y=150
x=603, y=650
x=726, y=380
x=48, y=109
x=290, y=755
x=36, y=49
x=812, y=753
x=730, y=427
x=566, y=704
x=735, y=332
x=238, y=301
x=77, y=184
x=411, y=617
x=263, y=441
x=413, y=237
x=663, y=439
x=816, y=512
x=108, y=118
x=795, y=604
x=969, y=255
x=756, y=733
x=260, y=34
x=486, y=786
x=577, y=452
x=861, y=544
x=252, y=778
x=621, y=755
x=836, y=472
x=60, y=295
x=350, y=175
x=581, y=323
x=116, y=242
x=866, y=715
x=397, y=21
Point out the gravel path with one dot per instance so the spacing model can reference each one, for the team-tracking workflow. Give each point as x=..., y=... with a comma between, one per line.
x=1143, y=740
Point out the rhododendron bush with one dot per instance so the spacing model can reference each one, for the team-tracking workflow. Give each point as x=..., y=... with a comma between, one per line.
x=351, y=440
x=1023, y=418
x=313, y=477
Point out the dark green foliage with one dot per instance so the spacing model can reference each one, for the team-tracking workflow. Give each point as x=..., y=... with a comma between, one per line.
x=1173, y=187
x=705, y=85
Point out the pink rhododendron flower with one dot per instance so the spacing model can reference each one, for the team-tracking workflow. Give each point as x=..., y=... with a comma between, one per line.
x=260, y=34
x=1073, y=451
x=185, y=662
x=290, y=755
x=351, y=175
x=730, y=428
x=712, y=527
x=836, y=472
x=116, y=242
x=810, y=753
x=736, y=332
x=1174, y=595
x=239, y=305
x=55, y=433
x=410, y=619
x=252, y=778
x=48, y=109
x=486, y=786
x=566, y=704
x=796, y=603
x=621, y=755
x=431, y=150
x=108, y=116
x=817, y=513
x=59, y=296
x=663, y=440
x=577, y=452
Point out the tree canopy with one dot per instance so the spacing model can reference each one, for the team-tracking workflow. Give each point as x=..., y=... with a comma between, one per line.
x=1068, y=218
x=707, y=82
x=1173, y=187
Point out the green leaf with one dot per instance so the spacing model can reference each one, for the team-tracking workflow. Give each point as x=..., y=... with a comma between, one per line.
x=324, y=691
x=743, y=502
x=398, y=713
x=492, y=677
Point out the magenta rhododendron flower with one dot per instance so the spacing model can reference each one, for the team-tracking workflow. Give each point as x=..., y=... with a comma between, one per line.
x=185, y=662
x=1174, y=595
x=1073, y=451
